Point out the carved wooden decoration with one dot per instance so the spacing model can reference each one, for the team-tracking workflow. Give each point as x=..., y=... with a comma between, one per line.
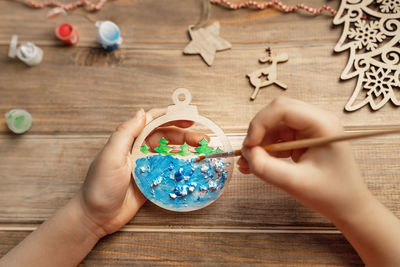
x=268, y=75
x=181, y=110
x=371, y=32
x=206, y=41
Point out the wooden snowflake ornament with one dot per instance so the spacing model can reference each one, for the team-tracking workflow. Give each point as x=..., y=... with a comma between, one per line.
x=206, y=41
x=372, y=33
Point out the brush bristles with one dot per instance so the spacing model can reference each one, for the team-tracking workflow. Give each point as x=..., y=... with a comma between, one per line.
x=199, y=158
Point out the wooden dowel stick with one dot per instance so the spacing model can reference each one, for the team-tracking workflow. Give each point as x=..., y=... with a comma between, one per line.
x=311, y=142
x=325, y=140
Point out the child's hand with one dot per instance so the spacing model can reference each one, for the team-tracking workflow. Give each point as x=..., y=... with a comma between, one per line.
x=109, y=197
x=107, y=201
x=325, y=178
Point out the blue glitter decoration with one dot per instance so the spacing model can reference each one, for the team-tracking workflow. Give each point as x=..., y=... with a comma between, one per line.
x=157, y=181
x=181, y=190
x=179, y=174
x=179, y=184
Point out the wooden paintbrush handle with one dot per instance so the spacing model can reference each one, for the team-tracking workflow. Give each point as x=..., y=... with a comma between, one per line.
x=325, y=140
x=311, y=142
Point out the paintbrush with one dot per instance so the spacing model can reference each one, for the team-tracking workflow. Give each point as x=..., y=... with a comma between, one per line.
x=304, y=143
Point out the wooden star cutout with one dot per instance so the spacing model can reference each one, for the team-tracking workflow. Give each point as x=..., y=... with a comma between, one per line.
x=206, y=41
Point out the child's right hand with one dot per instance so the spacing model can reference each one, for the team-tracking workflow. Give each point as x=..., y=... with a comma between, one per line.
x=324, y=178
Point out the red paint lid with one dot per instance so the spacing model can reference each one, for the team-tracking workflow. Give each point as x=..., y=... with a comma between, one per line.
x=64, y=30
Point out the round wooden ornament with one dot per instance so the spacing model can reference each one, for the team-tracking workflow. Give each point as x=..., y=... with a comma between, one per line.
x=174, y=181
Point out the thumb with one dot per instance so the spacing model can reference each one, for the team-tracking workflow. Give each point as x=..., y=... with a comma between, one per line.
x=120, y=142
x=270, y=169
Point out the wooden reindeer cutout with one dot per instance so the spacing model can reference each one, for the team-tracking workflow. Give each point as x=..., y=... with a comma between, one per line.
x=267, y=76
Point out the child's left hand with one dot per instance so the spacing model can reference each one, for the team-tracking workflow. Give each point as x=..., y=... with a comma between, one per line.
x=109, y=197
x=107, y=201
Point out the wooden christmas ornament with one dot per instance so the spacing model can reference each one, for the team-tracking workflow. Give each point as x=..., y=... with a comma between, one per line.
x=205, y=42
x=371, y=31
x=268, y=75
x=172, y=180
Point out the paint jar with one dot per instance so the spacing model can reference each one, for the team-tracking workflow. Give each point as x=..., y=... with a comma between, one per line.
x=28, y=52
x=67, y=34
x=108, y=35
x=19, y=121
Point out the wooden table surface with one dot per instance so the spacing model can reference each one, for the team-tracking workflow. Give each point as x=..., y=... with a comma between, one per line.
x=78, y=95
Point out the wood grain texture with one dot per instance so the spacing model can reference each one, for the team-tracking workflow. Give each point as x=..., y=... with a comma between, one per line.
x=163, y=24
x=78, y=95
x=89, y=88
x=91, y=91
x=218, y=249
x=35, y=184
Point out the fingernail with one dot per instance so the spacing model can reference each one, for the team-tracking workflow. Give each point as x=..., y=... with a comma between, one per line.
x=245, y=152
x=149, y=117
x=139, y=113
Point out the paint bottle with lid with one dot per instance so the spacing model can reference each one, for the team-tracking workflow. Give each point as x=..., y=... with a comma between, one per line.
x=19, y=121
x=28, y=52
x=108, y=35
x=67, y=34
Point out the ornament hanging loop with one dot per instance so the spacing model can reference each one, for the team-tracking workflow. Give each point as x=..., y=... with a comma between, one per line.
x=205, y=15
x=181, y=91
x=182, y=106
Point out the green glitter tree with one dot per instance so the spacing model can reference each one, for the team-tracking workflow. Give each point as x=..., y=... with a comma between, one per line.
x=163, y=148
x=217, y=151
x=144, y=149
x=204, y=148
x=184, y=150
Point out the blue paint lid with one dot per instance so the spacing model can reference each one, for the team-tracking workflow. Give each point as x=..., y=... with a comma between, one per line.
x=108, y=33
